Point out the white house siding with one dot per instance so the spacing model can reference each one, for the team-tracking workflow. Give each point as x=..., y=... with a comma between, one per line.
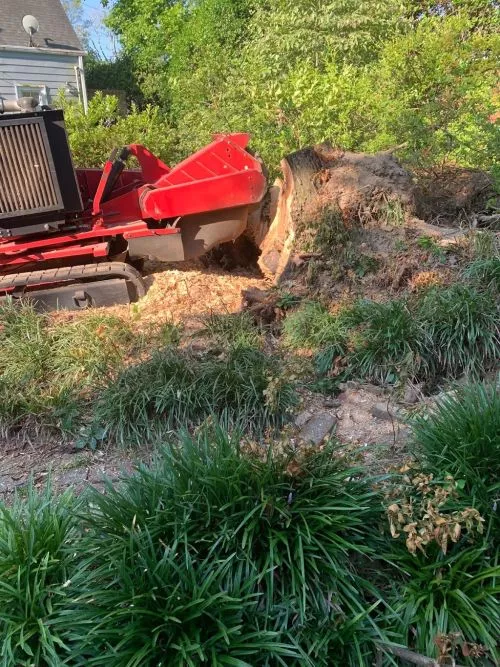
x=51, y=70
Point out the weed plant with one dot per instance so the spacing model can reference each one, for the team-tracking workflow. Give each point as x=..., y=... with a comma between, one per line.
x=231, y=330
x=485, y=245
x=48, y=371
x=313, y=326
x=87, y=351
x=24, y=359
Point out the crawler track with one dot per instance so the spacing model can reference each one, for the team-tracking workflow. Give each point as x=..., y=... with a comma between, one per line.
x=76, y=287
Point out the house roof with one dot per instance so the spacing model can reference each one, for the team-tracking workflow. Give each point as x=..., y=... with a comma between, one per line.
x=56, y=32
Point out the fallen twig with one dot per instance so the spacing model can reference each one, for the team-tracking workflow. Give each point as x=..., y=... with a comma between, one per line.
x=410, y=656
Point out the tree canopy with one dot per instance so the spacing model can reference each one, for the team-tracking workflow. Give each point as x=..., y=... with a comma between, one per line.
x=364, y=74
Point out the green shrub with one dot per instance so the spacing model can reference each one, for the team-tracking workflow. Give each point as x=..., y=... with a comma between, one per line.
x=94, y=135
x=461, y=437
x=172, y=390
x=35, y=562
x=281, y=538
x=452, y=594
x=390, y=342
x=463, y=327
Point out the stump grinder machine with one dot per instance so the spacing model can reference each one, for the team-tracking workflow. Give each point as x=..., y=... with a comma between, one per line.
x=72, y=238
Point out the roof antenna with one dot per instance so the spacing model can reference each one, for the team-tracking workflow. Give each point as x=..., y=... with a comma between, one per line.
x=30, y=25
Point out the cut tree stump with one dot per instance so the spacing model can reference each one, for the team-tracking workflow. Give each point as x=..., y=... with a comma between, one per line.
x=317, y=179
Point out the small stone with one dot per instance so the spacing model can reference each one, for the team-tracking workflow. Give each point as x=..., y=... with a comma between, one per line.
x=403, y=434
x=352, y=384
x=318, y=427
x=332, y=403
x=373, y=389
x=413, y=393
x=382, y=411
x=302, y=418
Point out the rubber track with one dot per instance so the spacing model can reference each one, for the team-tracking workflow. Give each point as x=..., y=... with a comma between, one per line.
x=79, y=273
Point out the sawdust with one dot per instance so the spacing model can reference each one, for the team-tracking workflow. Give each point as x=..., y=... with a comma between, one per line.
x=181, y=294
x=185, y=294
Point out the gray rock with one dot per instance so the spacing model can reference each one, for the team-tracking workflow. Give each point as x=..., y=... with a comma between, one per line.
x=302, y=418
x=383, y=411
x=413, y=393
x=332, y=403
x=318, y=427
x=373, y=389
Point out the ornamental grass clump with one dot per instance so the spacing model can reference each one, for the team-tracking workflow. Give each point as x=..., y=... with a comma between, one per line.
x=36, y=561
x=390, y=343
x=462, y=324
x=211, y=554
x=461, y=437
x=172, y=389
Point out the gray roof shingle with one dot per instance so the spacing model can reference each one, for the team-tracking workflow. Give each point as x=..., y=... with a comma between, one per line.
x=56, y=32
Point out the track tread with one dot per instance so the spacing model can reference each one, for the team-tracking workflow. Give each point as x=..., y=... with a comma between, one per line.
x=80, y=272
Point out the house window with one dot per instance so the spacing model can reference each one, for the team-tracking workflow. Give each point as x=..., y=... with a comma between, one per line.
x=37, y=91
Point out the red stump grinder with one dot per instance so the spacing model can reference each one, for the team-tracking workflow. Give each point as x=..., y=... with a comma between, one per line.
x=70, y=238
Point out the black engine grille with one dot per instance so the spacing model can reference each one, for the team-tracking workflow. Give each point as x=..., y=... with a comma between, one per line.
x=28, y=182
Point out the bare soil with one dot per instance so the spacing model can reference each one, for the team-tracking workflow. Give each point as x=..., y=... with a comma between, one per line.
x=183, y=295
x=362, y=187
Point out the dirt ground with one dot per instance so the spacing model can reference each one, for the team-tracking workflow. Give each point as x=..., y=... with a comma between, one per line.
x=184, y=295
x=363, y=415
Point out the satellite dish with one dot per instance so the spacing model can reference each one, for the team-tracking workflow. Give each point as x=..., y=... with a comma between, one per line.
x=30, y=25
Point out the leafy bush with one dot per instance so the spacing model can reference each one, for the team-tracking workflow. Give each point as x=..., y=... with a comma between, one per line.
x=35, y=562
x=463, y=326
x=94, y=135
x=296, y=77
x=265, y=544
x=461, y=437
x=171, y=390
